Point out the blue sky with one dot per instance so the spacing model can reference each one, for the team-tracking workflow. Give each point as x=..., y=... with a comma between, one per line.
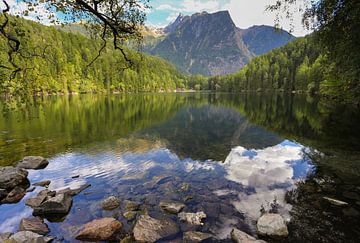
x=245, y=13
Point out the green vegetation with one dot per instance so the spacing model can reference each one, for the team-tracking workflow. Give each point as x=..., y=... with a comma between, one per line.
x=54, y=61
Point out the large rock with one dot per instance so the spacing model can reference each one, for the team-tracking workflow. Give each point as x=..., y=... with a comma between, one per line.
x=15, y=195
x=5, y=236
x=172, y=207
x=60, y=204
x=100, y=230
x=272, y=225
x=194, y=236
x=35, y=225
x=11, y=177
x=192, y=218
x=28, y=236
x=148, y=229
x=110, y=203
x=33, y=162
x=241, y=237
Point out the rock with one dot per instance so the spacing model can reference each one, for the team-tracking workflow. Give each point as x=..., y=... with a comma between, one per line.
x=31, y=189
x=40, y=198
x=193, y=236
x=100, y=230
x=11, y=177
x=272, y=225
x=192, y=218
x=335, y=201
x=28, y=236
x=148, y=229
x=3, y=193
x=110, y=203
x=35, y=225
x=60, y=204
x=131, y=206
x=33, y=162
x=239, y=236
x=130, y=215
x=42, y=183
x=5, y=236
x=172, y=207
x=15, y=195
x=74, y=192
x=75, y=176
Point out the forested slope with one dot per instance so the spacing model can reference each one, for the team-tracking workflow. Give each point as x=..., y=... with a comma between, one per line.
x=53, y=61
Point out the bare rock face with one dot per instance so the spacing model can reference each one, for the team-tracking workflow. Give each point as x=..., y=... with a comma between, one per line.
x=35, y=225
x=272, y=225
x=148, y=229
x=172, y=207
x=110, y=203
x=239, y=236
x=33, y=162
x=11, y=177
x=192, y=218
x=59, y=204
x=28, y=236
x=194, y=236
x=100, y=230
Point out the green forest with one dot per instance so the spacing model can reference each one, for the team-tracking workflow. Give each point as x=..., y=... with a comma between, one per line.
x=56, y=62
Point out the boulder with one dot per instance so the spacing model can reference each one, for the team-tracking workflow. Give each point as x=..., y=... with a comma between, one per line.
x=15, y=195
x=192, y=218
x=42, y=183
x=110, y=203
x=60, y=204
x=239, y=236
x=172, y=207
x=33, y=162
x=40, y=198
x=148, y=229
x=194, y=236
x=100, y=230
x=35, y=225
x=272, y=225
x=28, y=236
x=11, y=177
x=5, y=236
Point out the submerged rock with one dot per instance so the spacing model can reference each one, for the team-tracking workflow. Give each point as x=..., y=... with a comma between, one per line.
x=192, y=218
x=74, y=192
x=100, y=230
x=272, y=225
x=335, y=201
x=110, y=203
x=148, y=229
x=130, y=215
x=172, y=207
x=42, y=183
x=35, y=225
x=60, y=204
x=11, y=177
x=239, y=236
x=33, y=162
x=28, y=236
x=194, y=236
x=132, y=206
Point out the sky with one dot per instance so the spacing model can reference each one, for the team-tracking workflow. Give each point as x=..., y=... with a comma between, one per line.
x=245, y=13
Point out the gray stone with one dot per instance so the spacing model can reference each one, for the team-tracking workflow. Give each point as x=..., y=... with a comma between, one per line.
x=42, y=183
x=194, y=236
x=40, y=198
x=100, y=230
x=192, y=218
x=110, y=203
x=272, y=225
x=148, y=229
x=33, y=162
x=60, y=204
x=5, y=236
x=335, y=201
x=28, y=236
x=172, y=207
x=35, y=225
x=239, y=236
x=11, y=177
x=15, y=195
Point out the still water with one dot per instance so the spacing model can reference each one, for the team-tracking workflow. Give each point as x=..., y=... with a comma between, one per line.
x=227, y=155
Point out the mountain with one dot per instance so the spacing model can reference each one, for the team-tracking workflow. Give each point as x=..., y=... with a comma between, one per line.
x=211, y=44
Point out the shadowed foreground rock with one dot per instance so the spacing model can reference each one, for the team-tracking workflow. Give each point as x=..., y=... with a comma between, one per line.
x=59, y=204
x=239, y=236
x=33, y=162
x=148, y=229
x=100, y=229
x=272, y=225
x=28, y=236
x=35, y=225
x=193, y=236
x=13, y=184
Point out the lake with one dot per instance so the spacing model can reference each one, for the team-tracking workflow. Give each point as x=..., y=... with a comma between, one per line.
x=229, y=155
